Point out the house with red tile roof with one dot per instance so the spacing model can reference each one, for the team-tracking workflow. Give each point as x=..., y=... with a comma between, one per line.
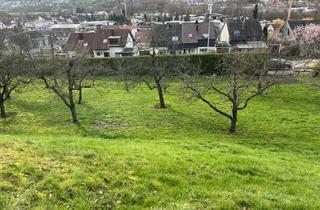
x=109, y=42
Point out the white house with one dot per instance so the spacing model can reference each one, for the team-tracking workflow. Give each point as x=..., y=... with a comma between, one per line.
x=243, y=34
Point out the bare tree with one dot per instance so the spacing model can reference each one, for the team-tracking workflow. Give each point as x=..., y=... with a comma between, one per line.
x=12, y=75
x=63, y=76
x=84, y=76
x=60, y=77
x=158, y=77
x=159, y=68
x=122, y=70
x=57, y=74
x=12, y=70
x=155, y=71
x=243, y=78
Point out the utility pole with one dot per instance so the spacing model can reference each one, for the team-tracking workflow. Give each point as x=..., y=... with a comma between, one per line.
x=125, y=8
x=209, y=27
x=290, y=2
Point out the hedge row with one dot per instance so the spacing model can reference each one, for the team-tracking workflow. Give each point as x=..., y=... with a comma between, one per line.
x=209, y=63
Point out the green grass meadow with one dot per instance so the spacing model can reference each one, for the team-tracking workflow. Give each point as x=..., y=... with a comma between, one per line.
x=128, y=155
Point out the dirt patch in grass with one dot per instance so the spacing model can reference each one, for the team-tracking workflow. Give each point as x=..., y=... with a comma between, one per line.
x=108, y=125
x=10, y=114
x=317, y=130
x=157, y=106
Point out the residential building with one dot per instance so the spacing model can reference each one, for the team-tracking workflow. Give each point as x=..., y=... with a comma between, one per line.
x=285, y=33
x=197, y=37
x=109, y=42
x=60, y=33
x=94, y=25
x=36, y=42
x=166, y=36
x=243, y=34
x=184, y=38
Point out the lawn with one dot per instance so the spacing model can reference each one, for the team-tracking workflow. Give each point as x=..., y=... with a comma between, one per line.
x=128, y=155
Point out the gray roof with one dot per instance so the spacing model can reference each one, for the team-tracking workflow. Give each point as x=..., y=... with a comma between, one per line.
x=163, y=33
x=244, y=30
x=192, y=32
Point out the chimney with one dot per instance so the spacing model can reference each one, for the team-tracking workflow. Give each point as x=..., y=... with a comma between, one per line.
x=80, y=36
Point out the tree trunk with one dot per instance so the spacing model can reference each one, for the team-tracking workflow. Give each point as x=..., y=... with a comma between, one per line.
x=74, y=114
x=162, y=105
x=6, y=92
x=80, y=95
x=72, y=105
x=126, y=85
x=126, y=79
x=233, y=121
x=161, y=97
x=233, y=125
x=2, y=110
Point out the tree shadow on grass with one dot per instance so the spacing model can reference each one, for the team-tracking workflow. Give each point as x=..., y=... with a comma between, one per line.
x=265, y=137
x=173, y=122
x=46, y=114
x=198, y=122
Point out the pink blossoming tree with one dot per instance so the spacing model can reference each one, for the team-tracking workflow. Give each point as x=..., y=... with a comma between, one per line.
x=309, y=34
x=308, y=37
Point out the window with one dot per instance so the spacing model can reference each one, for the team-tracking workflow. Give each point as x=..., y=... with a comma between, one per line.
x=106, y=54
x=113, y=41
x=236, y=33
x=98, y=53
x=281, y=31
x=175, y=38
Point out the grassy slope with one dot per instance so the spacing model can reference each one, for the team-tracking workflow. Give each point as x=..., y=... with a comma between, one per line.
x=128, y=155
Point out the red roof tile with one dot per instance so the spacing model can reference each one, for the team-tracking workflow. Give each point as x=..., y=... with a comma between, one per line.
x=99, y=40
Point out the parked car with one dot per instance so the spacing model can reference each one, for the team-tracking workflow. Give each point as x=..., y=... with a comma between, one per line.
x=280, y=67
x=314, y=68
x=279, y=64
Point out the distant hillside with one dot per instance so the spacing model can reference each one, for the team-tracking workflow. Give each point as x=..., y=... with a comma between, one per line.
x=53, y=5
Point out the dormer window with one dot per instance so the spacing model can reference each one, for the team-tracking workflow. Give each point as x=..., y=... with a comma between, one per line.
x=114, y=40
x=236, y=33
x=205, y=35
x=105, y=41
x=85, y=44
x=190, y=35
